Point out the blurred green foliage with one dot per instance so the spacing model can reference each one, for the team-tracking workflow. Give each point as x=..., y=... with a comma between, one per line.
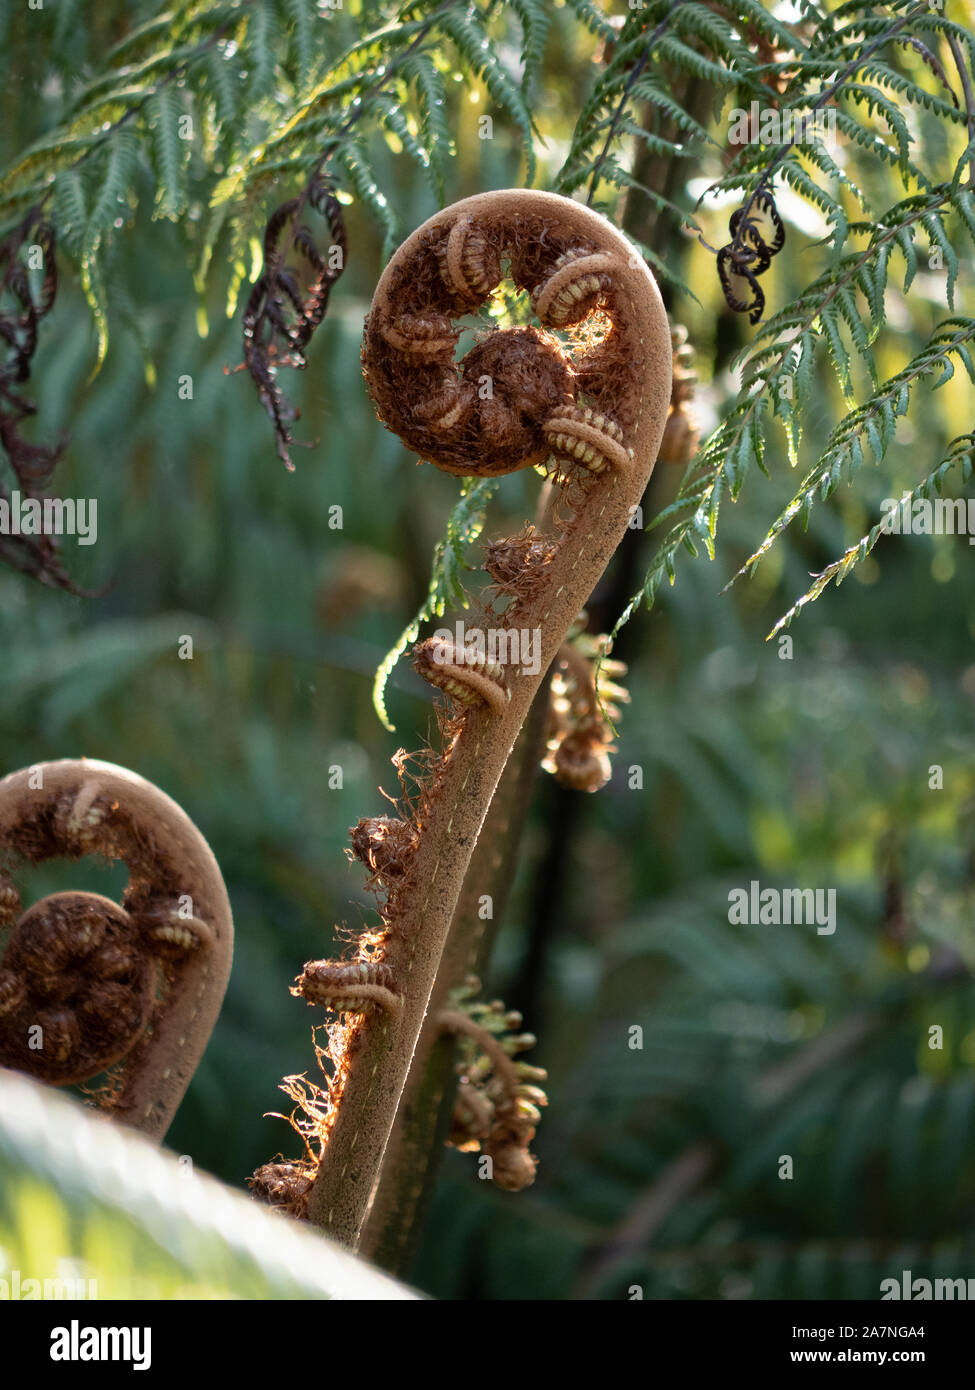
x=806, y=765
x=102, y=1214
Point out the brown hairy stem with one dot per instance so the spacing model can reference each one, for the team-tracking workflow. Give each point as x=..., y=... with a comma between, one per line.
x=87, y=984
x=616, y=373
x=425, y=1112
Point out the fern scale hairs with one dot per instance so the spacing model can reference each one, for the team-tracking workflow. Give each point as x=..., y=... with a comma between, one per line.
x=603, y=384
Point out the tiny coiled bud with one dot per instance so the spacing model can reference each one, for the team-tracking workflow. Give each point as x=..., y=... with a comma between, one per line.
x=516, y=563
x=449, y=408
x=512, y=1166
x=580, y=436
x=9, y=900
x=581, y=763
x=59, y=930
x=573, y=289
x=469, y=266
x=352, y=987
x=465, y=676
x=171, y=933
x=116, y=960
x=384, y=844
x=284, y=1186
x=60, y=1035
x=422, y=337
x=79, y=815
x=111, y=1014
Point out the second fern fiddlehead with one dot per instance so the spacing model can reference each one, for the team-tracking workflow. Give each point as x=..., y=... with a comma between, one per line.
x=89, y=986
x=588, y=407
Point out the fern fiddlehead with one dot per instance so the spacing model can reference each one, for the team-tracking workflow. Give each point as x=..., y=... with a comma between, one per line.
x=606, y=391
x=89, y=986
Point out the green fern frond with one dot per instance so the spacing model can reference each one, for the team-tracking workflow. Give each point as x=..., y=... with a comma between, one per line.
x=872, y=423
x=316, y=122
x=620, y=178
x=961, y=454
x=481, y=58
x=354, y=160
x=431, y=98
x=71, y=209
x=768, y=25
x=594, y=18
x=674, y=50
x=262, y=38
x=535, y=18
x=783, y=352
x=908, y=90
x=397, y=125
x=963, y=201
x=299, y=16
x=225, y=72
x=650, y=91
x=171, y=153
x=115, y=176
x=147, y=75
x=96, y=297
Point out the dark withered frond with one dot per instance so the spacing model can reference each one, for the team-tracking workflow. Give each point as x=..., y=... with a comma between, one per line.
x=24, y=301
x=289, y=299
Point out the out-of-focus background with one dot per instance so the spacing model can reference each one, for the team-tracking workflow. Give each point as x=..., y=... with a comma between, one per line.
x=846, y=763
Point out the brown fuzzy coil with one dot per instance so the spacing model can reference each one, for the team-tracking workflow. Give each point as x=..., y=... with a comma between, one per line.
x=574, y=289
x=75, y=992
x=384, y=844
x=516, y=563
x=470, y=265
x=9, y=900
x=581, y=437
x=520, y=376
x=448, y=408
x=485, y=414
x=284, y=1186
x=422, y=337
x=470, y=681
x=353, y=987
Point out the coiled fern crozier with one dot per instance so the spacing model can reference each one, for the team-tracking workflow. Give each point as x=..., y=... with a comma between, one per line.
x=218, y=106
